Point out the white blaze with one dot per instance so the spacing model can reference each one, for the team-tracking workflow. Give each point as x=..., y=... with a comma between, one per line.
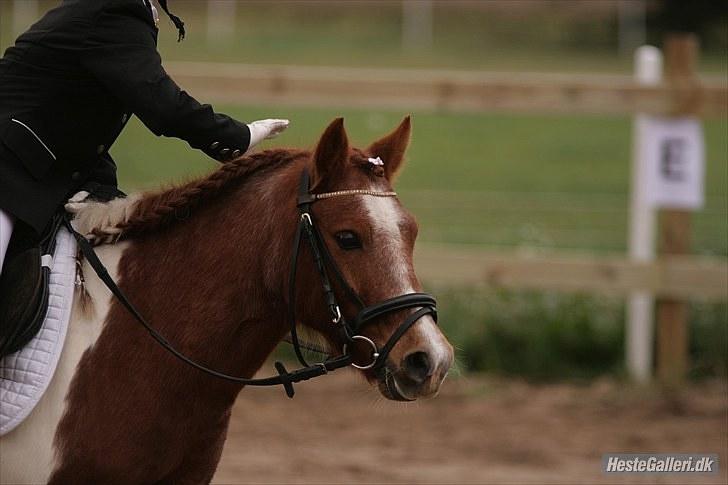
x=385, y=218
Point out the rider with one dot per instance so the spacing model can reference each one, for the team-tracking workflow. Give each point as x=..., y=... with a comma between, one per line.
x=68, y=87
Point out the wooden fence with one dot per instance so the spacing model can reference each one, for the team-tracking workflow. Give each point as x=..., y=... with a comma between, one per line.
x=442, y=90
x=676, y=277
x=679, y=277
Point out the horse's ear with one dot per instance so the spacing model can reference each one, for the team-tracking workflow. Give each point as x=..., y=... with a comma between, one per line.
x=331, y=153
x=391, y=148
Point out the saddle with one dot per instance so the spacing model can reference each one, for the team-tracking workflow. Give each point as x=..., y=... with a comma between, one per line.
x=24, y=284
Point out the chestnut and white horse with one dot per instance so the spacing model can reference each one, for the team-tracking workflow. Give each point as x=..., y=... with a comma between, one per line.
x=207, y=264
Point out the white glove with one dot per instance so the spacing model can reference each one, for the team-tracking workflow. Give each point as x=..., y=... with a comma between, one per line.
x=265, y=129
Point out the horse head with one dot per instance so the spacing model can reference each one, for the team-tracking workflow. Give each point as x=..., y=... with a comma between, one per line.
x=370, y=236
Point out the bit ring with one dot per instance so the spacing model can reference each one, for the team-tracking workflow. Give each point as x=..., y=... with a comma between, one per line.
x=375, y=352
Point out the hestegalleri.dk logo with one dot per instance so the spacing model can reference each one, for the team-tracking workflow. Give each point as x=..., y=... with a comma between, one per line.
x=660, y=463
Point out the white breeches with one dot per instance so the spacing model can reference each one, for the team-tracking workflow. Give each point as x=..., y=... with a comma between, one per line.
x=6, y=229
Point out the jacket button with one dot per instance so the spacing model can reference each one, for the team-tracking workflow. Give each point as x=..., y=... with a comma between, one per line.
x=124, y=117
x=76, y=176
x=237, y=153
x=214, y=145
x=100, y=149
x=224, y=152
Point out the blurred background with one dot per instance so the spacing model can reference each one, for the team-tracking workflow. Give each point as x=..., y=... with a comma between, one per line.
x=520, y=174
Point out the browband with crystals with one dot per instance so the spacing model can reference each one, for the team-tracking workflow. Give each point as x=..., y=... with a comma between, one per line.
x=328, y=195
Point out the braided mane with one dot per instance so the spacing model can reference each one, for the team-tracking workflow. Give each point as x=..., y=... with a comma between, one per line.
x=148, y=212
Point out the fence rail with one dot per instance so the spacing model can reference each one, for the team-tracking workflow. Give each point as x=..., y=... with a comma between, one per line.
x=445, y=90
x=688, y=277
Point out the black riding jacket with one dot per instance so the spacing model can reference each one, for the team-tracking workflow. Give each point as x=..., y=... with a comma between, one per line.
x=67, y=88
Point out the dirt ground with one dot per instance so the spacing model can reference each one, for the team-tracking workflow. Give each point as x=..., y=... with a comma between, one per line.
x=478, y=430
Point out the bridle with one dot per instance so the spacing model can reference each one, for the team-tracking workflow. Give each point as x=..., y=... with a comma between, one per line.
x=348, y=329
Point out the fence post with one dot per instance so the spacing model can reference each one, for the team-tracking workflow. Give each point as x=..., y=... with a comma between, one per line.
x=221, y=20
x=417, y=24
x=681, y=52
x=642, y=222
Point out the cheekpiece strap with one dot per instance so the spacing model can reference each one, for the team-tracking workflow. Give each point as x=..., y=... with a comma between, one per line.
x=305, y=198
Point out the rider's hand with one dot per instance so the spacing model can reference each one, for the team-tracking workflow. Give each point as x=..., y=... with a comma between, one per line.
x=265, y=129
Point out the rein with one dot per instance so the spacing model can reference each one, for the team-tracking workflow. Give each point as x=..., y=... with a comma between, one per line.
x=349, y=330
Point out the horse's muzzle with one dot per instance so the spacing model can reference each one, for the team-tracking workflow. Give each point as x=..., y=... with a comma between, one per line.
x=419, y=375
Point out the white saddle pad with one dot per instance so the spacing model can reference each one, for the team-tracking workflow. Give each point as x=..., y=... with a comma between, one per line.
x=25, y=375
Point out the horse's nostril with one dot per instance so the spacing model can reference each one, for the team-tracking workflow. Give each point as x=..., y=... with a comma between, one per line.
x=418, y=367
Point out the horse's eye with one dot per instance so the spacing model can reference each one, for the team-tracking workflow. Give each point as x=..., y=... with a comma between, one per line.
x=348, y=240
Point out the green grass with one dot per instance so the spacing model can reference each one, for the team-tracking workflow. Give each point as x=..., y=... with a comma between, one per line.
x=498, y=180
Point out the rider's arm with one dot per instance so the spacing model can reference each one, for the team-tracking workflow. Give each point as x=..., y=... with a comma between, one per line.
x=120, y=51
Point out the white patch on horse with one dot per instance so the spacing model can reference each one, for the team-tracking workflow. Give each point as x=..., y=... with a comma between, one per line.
x=28, y=454
x=431, y=334
x=386, y=216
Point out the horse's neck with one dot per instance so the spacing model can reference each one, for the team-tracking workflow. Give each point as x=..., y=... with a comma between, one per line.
x=212, y=285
